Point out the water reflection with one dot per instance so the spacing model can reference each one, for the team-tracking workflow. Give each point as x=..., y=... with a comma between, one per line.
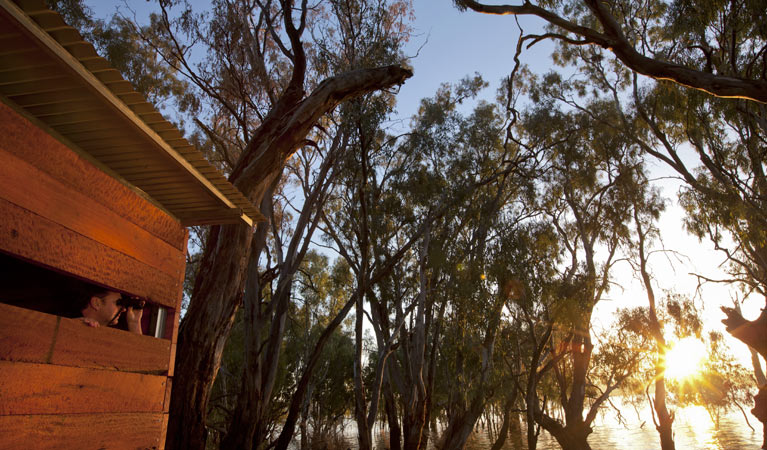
x=693, y=430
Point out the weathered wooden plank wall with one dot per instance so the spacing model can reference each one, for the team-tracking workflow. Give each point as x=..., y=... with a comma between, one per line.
x=64, y=384
x=63, y=212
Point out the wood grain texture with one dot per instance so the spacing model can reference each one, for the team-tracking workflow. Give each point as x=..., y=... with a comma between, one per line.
x=28, y=388
x=26, y=141
x=34, y=190
x=168, y=389
x=30, y=236
x=103, y=347
x=32, y=336
x=26, y=335
x=126, y=431
x=164, y=434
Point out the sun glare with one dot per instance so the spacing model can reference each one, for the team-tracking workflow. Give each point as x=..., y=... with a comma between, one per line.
x=685, y=358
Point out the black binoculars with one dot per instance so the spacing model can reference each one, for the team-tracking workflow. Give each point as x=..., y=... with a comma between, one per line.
x=131, y=302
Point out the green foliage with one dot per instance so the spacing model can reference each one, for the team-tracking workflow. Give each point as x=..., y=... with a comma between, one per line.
x=123, y=44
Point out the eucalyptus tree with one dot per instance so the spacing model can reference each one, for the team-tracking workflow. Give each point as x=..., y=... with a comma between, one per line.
x=584, y=193
x=322, y=288
x=256, y=70
x=717, y=47
x=440, y=161
x=481, y=265
x=719, y=384
x=715, y=146
x=645, y=210
x=725, y=173
x=265, y=316
x=369, y=227
x=538, y=252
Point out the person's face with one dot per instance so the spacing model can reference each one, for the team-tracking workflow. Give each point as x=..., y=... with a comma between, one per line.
x=108, y=311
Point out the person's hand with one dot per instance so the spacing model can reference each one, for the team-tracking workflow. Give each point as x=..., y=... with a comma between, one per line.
x=133, y=318
x=89, y=322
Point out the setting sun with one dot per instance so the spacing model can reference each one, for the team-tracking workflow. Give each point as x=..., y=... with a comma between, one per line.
x=685, y=358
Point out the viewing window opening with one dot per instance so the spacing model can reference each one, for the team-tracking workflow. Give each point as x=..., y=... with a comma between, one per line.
x=30, y=286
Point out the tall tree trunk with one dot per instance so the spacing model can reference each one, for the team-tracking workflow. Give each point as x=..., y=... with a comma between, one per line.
x=665, y=420
x=576, y=429
x=364, y=436
x=395, y=433
x=414, y=415
x=461, y=425
x=305, y=418
x=219, y=283
x=413, y=424
x=503, y=433
x=288, y=428
x=247, y=420
x=249, y=423
x=573, y=435
x=251, y=418
x=203, y=333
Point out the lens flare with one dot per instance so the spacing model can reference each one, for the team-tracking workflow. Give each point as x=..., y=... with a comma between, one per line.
x=685, y=358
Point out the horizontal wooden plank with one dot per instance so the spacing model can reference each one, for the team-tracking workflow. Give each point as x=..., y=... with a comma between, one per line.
x=32, y=336
x=26, y=335
x=126, y=431
x=104, y=347
x=28, y=142
x=29, y=388
x=34, y=190
x=30, y=236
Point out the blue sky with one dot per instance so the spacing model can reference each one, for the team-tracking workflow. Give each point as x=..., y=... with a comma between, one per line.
x=455, y=44
x=448, y=45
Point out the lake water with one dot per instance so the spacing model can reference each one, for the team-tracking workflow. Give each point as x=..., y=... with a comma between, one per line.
x=693, y=430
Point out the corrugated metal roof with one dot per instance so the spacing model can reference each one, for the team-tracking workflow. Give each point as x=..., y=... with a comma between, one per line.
x=49, y=71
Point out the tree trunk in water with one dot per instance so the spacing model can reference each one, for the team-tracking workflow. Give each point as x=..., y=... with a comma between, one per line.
x=459, y=429
x=573, y=438
x=414, y=425
x=504, y=431
x=665, y=420
x=360, y=406
x=573, y=435
x=395, y=433
x=305, y=417
x=515, y=431
x=303, y=384
x=760, y=411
